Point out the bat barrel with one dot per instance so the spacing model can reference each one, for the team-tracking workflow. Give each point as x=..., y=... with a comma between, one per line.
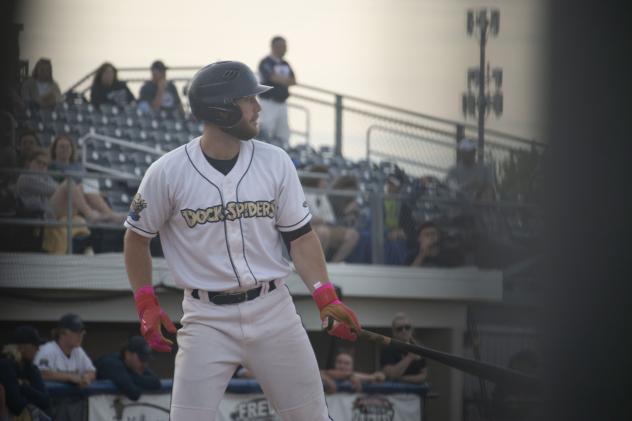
x=491, y=372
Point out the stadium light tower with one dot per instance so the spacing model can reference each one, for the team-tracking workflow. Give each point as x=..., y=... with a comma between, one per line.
x=481, y=24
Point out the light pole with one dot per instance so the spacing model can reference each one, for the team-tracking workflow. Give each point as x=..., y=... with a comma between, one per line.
x=481, y=24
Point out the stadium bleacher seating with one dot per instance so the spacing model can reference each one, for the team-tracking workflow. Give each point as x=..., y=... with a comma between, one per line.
x=163, y=131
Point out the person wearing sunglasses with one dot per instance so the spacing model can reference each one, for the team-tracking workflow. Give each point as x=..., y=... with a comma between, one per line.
x=399, y=365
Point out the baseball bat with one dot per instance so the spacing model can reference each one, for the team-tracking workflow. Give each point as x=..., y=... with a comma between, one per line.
x=491, y=372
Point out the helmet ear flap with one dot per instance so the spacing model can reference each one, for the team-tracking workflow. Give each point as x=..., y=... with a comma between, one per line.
x=225, y=116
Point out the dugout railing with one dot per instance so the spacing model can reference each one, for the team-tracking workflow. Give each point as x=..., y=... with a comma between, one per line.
x=74, y=401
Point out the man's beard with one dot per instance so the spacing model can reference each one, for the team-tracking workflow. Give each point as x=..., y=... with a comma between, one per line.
x=242, y=130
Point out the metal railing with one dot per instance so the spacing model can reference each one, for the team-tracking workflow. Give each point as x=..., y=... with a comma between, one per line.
x=352, y=117
x=68, y=222
x=89, y=138
x=501, y=217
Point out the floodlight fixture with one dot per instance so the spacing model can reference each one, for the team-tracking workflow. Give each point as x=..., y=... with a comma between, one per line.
x=470, y=22
x=495, y=22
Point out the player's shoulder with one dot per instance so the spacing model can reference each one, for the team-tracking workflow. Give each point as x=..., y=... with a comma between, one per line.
x=174, y=158
x=78, y=352
x=47, y=348
x=270, y=153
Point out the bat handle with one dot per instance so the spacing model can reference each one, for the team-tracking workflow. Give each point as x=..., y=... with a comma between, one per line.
x=373, y=337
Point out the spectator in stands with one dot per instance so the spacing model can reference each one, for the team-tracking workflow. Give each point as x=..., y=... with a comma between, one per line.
x=400, y=365
x=26, y=144
x=128, y=369
x=63, y=359
x=276, y=72
x=40, y=196
x=40, y=193
x=343, y=371
x=395, y=250
x=21, y=380
x=346, y=208
x=63, y=156
x=41, y=89
x=159, y=93
x=107, y=89
x=468, y=179
x=337, y=241
x=429, y=251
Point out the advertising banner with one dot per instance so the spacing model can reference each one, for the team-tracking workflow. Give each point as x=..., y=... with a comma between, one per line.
x=255, y=407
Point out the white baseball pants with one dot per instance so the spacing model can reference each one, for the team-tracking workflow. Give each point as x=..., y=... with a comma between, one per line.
x=266, y=336
x=273, y=120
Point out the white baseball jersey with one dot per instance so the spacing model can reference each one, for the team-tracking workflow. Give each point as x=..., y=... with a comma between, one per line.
x=221, y=232
x=50, y=357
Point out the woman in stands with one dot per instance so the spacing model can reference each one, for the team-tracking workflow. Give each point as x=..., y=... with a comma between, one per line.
x=40, y=196
x=107, y=89
x=40, y=89
x=63, y=156
x=343, y=371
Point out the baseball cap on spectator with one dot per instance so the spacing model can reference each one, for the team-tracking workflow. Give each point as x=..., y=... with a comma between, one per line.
x=71, y=322
x=26, y=335
x=467, y=144
x=158, y=65
x=140, y=347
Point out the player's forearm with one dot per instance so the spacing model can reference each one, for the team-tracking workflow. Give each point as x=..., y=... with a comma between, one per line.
x=59, y=376
x=309, y=260
x=364, y=377
x=90, y=376
x=415, y=378
x=282, y=80
x=395, y=371
x=157, y=102
x=337, y=374
x=137, y=259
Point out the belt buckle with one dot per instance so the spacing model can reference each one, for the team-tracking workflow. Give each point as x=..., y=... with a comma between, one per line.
x=238, y=297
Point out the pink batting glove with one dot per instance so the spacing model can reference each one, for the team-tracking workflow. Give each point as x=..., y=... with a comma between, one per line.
x=152, y=317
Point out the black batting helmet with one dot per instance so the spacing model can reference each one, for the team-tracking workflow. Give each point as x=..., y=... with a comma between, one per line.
x=214, y=89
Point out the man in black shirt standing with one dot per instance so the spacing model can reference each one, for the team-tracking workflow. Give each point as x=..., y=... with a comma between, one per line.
x=275, y=72
x=159, y=93
x=128, y=369
x=399, y=365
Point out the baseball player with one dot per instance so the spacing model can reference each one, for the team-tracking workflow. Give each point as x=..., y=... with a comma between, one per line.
x=224, y=205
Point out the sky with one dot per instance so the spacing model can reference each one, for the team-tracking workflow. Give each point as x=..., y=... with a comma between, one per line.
x=412, y=54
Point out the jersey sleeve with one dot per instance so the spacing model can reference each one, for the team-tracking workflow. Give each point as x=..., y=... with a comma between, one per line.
x=85, y=363
x=265, y=69
x=174, y=92
x=151, y=206
x=292, y=209
x=147, y=92
x=44, y=359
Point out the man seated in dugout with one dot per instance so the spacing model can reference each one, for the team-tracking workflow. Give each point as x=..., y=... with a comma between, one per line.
x=129, y=369
x=401, y=365
x=63, y=359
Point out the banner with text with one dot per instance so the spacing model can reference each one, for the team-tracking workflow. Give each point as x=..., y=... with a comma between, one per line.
x=255, y=407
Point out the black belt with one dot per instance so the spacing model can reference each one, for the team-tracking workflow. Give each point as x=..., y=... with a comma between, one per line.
x=221, y=298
